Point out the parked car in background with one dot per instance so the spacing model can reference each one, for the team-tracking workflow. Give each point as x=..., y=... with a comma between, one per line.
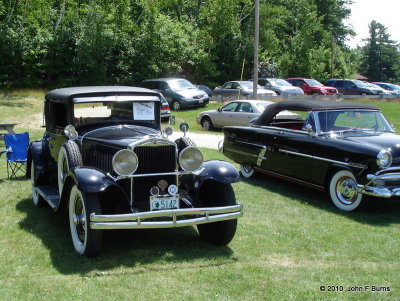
x=347, y=149
x=311, y=86
x=379, y=89
x=206, y=89
x=352, y=87
x=238, y=112
x=240, y=89
x=165, y=110
x=179, y=92
x=280, y=86
x=395, y=89
x=105, y=160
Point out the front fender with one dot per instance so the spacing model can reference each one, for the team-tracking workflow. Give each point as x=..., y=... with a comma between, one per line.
x=90, y=180
x=95, y=181
x=219, y=171
x=37, y=154
x=214, y=170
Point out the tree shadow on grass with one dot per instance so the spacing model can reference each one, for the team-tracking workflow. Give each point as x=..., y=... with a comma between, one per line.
x=13, y=102
x=141, y=249
x=373, y=211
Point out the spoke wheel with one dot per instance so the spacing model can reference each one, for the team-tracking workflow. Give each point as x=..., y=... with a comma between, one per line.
x=246, y=170
x=86, y=241
x=176, y=105
x=207, y=124
x=343, y=191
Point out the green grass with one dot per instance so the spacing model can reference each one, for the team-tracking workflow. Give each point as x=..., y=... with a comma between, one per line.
x=290, y=242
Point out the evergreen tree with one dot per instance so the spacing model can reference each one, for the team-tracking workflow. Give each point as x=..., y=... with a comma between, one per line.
x=380, y=55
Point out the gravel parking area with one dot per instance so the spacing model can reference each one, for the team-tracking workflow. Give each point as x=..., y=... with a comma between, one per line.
x=201, y=140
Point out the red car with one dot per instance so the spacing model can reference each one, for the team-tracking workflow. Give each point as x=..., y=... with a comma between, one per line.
x=311, y=86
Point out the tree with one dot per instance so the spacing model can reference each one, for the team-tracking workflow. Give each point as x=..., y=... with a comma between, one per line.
x=380, y=55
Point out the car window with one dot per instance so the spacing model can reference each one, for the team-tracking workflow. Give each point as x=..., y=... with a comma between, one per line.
x=352, y=119
x=86, y=113
x=230, y=107
x=244, y=107
x=313, y=82
x=227, y=85
x=339, y=84
x=235, y=86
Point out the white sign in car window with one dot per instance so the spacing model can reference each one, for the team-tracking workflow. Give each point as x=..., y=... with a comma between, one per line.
x=143, y=110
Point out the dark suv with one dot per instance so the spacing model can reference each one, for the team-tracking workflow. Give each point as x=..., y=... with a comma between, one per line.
x=106, y=161
x=179, y=92
x=352, y=87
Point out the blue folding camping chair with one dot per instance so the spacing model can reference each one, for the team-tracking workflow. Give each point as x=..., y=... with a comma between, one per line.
x=17, y=152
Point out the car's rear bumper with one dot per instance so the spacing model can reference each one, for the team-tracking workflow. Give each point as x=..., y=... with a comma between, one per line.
x=384, y=184
x=166, y=218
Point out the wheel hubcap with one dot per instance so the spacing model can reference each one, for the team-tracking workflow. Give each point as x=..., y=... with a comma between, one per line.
x=346, y=191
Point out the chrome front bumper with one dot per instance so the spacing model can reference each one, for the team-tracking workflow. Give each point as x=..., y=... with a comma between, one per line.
x=375, y=189
x=140, y=220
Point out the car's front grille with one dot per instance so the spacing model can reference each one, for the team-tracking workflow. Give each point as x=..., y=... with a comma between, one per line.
x=152, y=159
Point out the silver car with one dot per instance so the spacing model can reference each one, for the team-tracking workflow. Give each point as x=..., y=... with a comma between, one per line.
x=280, y=86
x=240, y=89
x=238, y=112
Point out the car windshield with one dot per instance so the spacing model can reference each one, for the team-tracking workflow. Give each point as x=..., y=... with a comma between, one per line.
x=279, y=82
x=112, y=112
x=352, y=120
x=360, y=84
x=180, y=84
x=313, y=83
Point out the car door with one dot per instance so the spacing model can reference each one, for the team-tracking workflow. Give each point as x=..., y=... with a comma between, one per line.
x=350, y=88
x=57, y=122
x=223, y=116
x=243, y=114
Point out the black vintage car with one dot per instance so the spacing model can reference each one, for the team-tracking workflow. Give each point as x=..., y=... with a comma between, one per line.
x=105, y=160
x=347, y=149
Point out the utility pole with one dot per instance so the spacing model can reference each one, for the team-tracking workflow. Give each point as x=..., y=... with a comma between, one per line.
x=256, y=42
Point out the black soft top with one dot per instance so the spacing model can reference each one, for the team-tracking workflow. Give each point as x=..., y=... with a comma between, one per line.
x=66, y=94
x=307, y=105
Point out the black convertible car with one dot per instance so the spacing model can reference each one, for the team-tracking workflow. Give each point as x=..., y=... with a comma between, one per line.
x=105, y=160
x=347, y=149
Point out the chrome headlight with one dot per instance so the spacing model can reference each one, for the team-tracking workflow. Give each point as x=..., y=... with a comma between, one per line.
x=125, y=162
x=190, y=158
x=384, y=159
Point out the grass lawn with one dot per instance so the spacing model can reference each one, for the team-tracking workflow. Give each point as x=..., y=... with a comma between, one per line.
x=290, y=242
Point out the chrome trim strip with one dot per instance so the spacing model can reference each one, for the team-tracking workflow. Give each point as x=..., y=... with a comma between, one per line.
x=355, y=165
x=261, y=155
x=386, y=170
x=244, y=153
x=137, y=220
x=172, y=173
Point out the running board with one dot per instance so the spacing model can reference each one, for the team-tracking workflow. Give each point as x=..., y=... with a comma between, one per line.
x=50, y=194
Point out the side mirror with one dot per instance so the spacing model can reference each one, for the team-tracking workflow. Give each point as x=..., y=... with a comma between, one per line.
x=309, y=129
x=219, y=109
x=70, y=132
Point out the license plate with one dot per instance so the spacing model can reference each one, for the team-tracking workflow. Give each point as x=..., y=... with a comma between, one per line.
x=163, y=203
x=200, y=101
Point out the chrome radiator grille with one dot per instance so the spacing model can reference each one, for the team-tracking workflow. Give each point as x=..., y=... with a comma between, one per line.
x=152, y=159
